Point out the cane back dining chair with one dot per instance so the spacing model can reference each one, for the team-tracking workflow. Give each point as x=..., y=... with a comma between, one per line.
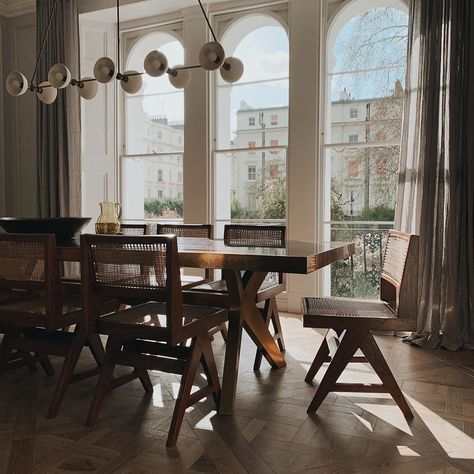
x=37, y=323
x=149, y=335
x=198, y=231
x=238, y=235
x=133, y=229
x=354, y=320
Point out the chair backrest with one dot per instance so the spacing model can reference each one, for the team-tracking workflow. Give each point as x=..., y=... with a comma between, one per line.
x=399, y=276
x=202, y=231
x=255, y=235
x=30, y=262
x=133, y=229
x=141, y=268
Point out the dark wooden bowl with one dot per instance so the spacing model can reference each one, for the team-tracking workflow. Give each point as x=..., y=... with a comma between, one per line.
x=65, y=228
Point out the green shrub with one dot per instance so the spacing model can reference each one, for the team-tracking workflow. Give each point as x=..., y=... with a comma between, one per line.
x=163, y=207
x=377, y=213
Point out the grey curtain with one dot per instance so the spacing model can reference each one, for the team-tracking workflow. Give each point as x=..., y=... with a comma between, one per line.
x=436, y=188
x=59, y=146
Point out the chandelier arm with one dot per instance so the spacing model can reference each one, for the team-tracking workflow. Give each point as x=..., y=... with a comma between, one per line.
x=182, y=68
x=43, y=44
x=208, y=22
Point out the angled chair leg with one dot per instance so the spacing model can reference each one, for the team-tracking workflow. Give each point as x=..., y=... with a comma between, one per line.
x=270, y=314
x=376, y=359
x=182, y=401
x=223, y=328
x=210, y=369
x=28, y=360
x=349, y=345
x=321, y=357
x=145, y=380
x=275, y=318
x=46, y=364
x=105, y=379
x=6, y=347
x=97, y=348
x=67, y=370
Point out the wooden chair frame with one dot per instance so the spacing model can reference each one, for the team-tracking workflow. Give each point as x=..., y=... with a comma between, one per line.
x=47, y=334
x=152, y=347
x=205, y=231
x=139, y=227
x=266, y=295
x=195, y=231
x=399, y=292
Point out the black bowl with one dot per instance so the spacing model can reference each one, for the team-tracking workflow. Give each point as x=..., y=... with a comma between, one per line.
x=65, y=228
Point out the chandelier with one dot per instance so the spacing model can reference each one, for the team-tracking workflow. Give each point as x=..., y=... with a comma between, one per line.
x=211, y=58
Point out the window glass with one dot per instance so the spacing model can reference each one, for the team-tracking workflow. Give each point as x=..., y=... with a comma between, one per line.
x=245, y=185
x=365, y=75
x=154, y=137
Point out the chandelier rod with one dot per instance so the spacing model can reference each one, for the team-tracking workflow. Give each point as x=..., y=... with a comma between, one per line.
x=43, y=44
x=207, y=21
x=118, y=36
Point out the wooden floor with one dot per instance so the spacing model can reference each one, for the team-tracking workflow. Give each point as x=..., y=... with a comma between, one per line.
x=270, y=431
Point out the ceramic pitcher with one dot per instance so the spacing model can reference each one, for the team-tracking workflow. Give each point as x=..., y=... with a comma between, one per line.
x=109, y=219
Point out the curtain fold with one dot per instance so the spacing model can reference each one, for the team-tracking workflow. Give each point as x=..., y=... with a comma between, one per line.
x=59, y=146
x=436, y=184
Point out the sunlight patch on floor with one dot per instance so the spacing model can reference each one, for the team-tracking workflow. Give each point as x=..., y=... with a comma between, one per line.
x=456, y=443
x=406, y=451
x=205, y=423
x=157, y=396
x=390, y=414
x=365, y=422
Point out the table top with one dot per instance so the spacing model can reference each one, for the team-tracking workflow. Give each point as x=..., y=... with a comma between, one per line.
x=295, y=257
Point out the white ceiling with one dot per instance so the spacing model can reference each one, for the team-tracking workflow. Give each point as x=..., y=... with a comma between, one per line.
x=129, y=9
x=143, y=9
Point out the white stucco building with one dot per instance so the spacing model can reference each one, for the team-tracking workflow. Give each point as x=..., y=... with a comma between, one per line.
x=361, y=177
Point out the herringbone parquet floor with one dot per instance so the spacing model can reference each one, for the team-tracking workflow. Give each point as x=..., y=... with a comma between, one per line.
x=270, y=431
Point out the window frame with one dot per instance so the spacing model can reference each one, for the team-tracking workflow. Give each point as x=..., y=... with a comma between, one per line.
x=129, y=38
x=223, y=21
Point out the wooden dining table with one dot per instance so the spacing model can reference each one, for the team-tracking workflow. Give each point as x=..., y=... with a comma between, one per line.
x=244, y=270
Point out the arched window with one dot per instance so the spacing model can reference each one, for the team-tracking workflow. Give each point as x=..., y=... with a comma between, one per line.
x=152, y=169
x=365, y=77
x=251, y=116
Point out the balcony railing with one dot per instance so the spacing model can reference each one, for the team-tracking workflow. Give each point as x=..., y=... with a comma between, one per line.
x=359, y=276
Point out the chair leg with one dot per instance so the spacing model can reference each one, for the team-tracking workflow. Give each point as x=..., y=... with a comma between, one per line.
x=223, y=328
x=145, y=380
x=6, y=347
x=187, y=380
x=46, y=364
x=70, y=362
x=28, y=360
x=97, y=348
x=321, y=357
x=376, y=359
x=270, y=314
x=209, y=364
x=349, y=345
x=105, y=378
x=275, y=319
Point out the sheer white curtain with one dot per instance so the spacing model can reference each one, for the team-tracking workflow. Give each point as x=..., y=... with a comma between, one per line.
x=436, y=187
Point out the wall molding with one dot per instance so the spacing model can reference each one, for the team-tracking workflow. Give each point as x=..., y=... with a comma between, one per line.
x=12, y=8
